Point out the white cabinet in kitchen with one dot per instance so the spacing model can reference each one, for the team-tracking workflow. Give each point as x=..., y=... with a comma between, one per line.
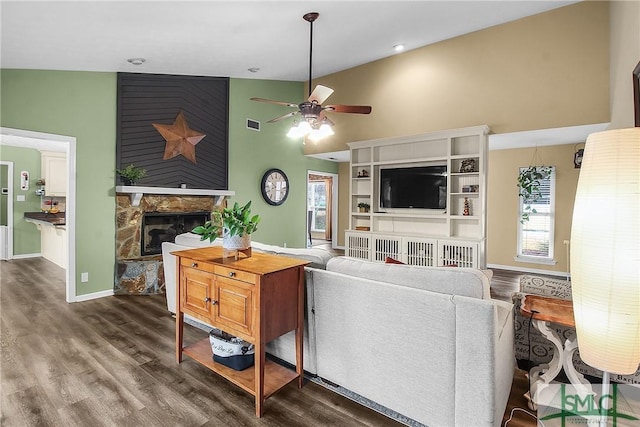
x=54, y=171
x=53, y=244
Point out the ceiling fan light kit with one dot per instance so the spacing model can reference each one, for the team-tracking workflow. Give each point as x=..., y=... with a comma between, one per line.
x=313, y=124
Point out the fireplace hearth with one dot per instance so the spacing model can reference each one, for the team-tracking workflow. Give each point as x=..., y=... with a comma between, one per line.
x=158, y=228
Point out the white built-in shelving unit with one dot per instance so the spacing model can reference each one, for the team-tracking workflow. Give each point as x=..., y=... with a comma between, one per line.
x=435, y=237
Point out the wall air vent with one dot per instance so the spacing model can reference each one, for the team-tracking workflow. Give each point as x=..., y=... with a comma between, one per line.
x=253, y=125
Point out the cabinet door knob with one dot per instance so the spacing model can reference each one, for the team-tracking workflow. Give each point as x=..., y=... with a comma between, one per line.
x=194, y=264
x=232, y=274
x=207, y=299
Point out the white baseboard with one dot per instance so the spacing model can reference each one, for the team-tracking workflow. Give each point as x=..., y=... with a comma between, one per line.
x=95, y=295
x=24, y=256
x=563, y=274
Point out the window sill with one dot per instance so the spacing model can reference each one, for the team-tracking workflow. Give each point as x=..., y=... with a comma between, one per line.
x=535, y=260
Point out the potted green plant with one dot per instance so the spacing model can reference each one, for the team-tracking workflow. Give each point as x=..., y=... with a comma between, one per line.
x=131, y=174
x=529, y=180
x=363, y=207
x=236, y=224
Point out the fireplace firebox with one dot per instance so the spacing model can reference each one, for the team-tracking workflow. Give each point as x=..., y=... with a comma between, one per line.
x=164, y=227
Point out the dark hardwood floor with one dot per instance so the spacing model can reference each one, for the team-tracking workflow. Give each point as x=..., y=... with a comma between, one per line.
x=110, y=362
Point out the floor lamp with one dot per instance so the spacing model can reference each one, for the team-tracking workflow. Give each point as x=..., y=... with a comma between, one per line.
x=605, y=253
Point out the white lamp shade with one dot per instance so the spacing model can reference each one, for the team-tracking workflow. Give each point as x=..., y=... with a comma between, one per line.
x=605, y=252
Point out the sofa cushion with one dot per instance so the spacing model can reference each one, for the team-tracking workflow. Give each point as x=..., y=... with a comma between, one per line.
x=454, y=281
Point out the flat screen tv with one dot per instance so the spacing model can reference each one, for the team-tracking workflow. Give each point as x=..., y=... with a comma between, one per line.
x=422, y=187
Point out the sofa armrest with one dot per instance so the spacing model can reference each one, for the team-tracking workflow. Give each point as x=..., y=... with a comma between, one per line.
x=170, y=272
x=485, y=345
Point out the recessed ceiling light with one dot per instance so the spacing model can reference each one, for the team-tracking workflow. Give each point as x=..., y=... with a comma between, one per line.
x=254, y=69
x=136, y=61
x=398, y=47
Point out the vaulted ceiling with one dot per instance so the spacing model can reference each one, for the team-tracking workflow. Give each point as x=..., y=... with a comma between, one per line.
x=227, y=38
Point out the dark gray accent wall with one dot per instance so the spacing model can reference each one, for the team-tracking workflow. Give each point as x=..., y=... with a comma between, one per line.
x=144, y=99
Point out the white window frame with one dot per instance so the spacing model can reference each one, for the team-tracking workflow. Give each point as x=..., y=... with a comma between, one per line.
x=548, y=260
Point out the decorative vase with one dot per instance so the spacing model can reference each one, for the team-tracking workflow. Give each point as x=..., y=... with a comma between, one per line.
x=236, y=242
x=468, y=165
x=466, y=211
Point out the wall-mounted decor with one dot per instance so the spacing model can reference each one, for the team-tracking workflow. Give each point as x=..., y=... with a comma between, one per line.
x=147, y=99
x=577, y=158
x=274, y=187
x=180, y=139
x=24, y=180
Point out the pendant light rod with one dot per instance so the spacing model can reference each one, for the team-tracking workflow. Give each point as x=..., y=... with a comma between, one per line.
x=310, y=17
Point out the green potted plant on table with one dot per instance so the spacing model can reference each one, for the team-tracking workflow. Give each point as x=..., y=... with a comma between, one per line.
x=237, y=225
x=529, y=181
x=131, y=174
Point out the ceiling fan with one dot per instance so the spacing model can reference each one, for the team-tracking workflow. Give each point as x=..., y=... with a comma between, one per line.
x=314, y=122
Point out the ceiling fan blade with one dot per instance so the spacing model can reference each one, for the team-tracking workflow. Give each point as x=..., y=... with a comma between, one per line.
x=320, y=94
x=271, y=101
x=358, y=109
x=322, y=117
x=277, y=119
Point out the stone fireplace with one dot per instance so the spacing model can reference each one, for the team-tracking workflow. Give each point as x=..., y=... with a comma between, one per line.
x=143, y=222
x=160, y=227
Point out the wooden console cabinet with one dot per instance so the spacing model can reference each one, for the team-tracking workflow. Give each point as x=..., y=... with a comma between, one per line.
x=257, y=298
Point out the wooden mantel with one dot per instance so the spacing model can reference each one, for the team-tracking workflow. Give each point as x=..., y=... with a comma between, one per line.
x=137, y=192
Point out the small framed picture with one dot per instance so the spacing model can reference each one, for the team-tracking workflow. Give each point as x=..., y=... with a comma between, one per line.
x=470, y=189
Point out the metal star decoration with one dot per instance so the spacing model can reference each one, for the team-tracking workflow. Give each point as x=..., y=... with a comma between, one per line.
x=180, y=139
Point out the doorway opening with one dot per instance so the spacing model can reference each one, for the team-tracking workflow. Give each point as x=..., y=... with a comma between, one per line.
x=322, y=209
x=60, y=143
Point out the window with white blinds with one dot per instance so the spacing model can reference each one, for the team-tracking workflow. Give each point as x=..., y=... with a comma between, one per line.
x=535, y=237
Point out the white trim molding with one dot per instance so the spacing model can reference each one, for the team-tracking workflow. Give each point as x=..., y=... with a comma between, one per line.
x=95, y=295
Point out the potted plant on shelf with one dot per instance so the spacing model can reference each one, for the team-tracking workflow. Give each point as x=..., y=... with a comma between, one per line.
x=131, y=174
x=236, y=224
x=529, y=180
x=363, y=207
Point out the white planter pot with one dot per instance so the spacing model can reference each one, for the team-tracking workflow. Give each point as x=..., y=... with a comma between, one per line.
x=236, y=242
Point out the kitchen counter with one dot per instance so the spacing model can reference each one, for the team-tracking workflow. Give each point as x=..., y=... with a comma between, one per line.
x=56, y=219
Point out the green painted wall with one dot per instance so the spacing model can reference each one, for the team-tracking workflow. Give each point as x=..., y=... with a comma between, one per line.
x=82, y=105
x=26, y=237
x=252, y=153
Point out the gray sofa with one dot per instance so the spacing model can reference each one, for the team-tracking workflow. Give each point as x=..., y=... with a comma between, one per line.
x=426, y=342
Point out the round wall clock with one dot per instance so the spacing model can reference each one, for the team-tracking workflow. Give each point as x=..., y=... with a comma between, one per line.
x=275, y=187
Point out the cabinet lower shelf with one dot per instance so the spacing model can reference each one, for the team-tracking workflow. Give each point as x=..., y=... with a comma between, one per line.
x=275, y=376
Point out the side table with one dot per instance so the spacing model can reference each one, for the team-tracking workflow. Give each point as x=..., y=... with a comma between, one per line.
x=543, y=311
x=257, y=298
